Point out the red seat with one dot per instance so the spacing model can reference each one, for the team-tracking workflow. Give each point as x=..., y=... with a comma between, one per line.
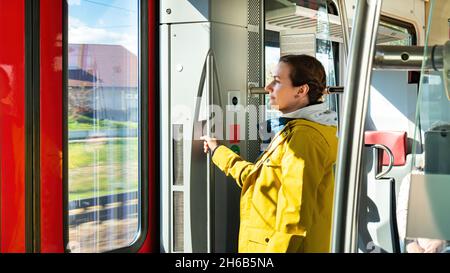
x=395, y=141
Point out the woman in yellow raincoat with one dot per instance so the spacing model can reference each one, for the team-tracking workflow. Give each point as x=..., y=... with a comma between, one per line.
x=287, y=195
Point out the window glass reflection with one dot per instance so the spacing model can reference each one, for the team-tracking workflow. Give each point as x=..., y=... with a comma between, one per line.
x=103, y=124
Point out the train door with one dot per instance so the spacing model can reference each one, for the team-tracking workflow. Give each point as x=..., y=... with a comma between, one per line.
x=203, y=68
x=12, y=115
x=77, y=93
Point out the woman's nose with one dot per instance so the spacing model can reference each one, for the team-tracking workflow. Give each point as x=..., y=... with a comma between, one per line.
x=269, y=88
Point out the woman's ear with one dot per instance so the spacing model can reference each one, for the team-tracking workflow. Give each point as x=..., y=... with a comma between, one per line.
x=303, y=90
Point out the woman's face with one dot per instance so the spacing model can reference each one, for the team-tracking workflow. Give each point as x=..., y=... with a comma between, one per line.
x=283, y=96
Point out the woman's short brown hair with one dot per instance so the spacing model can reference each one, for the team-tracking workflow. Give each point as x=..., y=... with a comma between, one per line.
x=307, y=70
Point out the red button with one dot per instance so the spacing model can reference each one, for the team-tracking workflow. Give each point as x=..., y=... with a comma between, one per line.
x=234, y=133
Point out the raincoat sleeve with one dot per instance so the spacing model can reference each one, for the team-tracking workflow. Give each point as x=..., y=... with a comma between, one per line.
x=232, y=164
x=302, y=169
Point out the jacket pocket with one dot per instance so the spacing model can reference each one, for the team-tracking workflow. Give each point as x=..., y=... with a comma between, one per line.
x=271, y=172
x=258, y=239
x=286, y=242
x=272, y=162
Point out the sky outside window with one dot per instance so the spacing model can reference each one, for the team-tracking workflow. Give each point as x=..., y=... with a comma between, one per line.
x=96, y=20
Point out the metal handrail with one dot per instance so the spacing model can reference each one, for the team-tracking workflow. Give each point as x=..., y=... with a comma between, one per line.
x=328, y=90
x=210, y=74
x=391, y=57
x=376, y=158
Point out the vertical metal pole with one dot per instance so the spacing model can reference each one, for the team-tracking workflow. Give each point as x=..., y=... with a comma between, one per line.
x=362, y=47
x=342, y=9
x=344, y=24
x=209, y=167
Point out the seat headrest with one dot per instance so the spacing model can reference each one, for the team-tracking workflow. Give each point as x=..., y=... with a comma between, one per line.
x=394, y=140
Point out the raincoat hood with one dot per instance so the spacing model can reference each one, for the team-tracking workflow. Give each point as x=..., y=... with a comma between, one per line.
x=317, y=113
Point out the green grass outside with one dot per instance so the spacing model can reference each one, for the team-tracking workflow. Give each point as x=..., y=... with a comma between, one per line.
x=82, y=123
x=102, y=167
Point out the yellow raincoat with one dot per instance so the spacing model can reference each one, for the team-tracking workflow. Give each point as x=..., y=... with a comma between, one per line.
x=287, y=195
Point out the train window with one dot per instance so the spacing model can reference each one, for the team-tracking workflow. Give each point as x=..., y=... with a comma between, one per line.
x=271, y=60
x=396, y=32
x=103, y=117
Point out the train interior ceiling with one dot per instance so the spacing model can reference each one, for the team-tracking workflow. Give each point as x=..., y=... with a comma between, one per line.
x=124, y=159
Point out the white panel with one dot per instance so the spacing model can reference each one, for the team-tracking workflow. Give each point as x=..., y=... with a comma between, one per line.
x=392, y=103
x=181, y=11
x=189, y=11
x=428, y=207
